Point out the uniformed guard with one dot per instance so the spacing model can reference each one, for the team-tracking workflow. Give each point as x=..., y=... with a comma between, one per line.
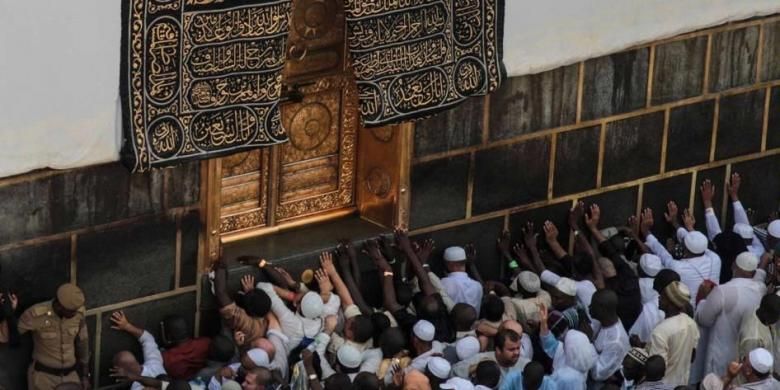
x=61, y=342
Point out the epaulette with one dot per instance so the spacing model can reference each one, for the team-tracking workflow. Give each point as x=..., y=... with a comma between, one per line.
x=41, y=309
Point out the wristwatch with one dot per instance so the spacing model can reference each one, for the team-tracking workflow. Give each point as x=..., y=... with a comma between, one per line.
x=313, y=377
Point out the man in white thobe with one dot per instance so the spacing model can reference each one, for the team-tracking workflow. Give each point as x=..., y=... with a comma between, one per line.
x=741, y=221
x=458, y=285
x=755, y=370
x=724, y=308
x=153, y=361
x=758, y=329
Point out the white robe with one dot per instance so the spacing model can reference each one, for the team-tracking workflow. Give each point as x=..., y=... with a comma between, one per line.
x=722, y=312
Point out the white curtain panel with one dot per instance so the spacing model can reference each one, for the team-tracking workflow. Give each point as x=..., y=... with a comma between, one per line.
x=59, y=62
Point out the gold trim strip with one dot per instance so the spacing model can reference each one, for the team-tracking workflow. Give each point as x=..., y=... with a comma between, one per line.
x=650, y=76
x=596, y=191
x=485, y=121
x=138, y=301
x=595, y=122
x=694, y=188
x=760, y=51
x=74, y=258
x=765, y=126
x=551, y=170
x=640, y=193
x=725, y=195
x=321, y=217
x=707, y=59
x=470, y=184
x=715, y=120
x=665, y=139
x=98, y=343
x=580, y=89
x=600, y=165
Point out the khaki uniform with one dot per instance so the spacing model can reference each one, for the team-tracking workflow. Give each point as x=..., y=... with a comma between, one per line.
x=57, y=343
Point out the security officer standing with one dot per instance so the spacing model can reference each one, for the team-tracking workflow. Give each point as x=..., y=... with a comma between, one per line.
x=61, y=342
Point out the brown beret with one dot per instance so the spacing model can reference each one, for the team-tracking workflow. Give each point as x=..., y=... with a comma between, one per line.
x=70, y=296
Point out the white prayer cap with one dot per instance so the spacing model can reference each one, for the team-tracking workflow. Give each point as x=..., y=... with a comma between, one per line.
x=259, y=357
x=528, y=280
x=424, y=330
x=747, y=261
x=696, y=242
x=456, y=383
x=311, y=305
x=230, y=385
x=467, y=347
x=774, y=228
x=439, y=367
x=349, y=356
x=761, y=360
x=578, y=350
x=650, y=264
x=454, y=253
x=567, y=286
x=744, y=230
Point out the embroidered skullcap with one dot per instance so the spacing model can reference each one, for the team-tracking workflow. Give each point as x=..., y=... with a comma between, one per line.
x=747, y=261
x=259, y=357
x=761, y=360
x=528, y=280
x=439, y=367
x=579, y=351
x=467, y=347
x=744, y=230
x=424, y=330
x=650, y=264
x=567, y=286
x=639, y=355
x=349, y=356
x=230, y=385
x=70, y=296
x=695, y=242
x=774, y=228
x=454, y=253
x=678, y=294
x=456, y=383
x=311, y=305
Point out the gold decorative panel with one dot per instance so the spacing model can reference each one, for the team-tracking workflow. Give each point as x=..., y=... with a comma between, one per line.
x=244, y=191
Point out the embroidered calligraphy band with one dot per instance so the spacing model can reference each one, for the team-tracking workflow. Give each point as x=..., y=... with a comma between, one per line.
x=413, y=58
x=200, y=78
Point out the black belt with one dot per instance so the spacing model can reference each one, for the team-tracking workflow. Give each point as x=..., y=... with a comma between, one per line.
x=37, y=366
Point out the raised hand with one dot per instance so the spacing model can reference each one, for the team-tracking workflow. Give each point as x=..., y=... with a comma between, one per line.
x=522, y=256
x=323, y=280
x=575, y=215
x=529, y=236
x=247, y=283
x=646, y=222
x=239, y=337
x=733, y=186
x=672, y=213
x=119, y=321
x=633, y=225
x=707, y=193
x=326, y=262
x=424, y=251
x=371, y=249
x=550, y=231
x=688, y=220
x=349, y=248
x=734, y=369
x=592, y=220
x=471, y=252
x=402, y=240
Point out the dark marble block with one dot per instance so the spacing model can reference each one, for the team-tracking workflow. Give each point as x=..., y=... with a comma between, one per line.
x=679, y=70
x=733, y=61
x=35, y=272
x=740, y=123
x=717, y=176
x=511, y=175
x=615, y=84
x=657, y=194
x=529, y=103
x=770, y=64
x=556, y=213
x=439, y=191
x=760, y=189
x=127, y=262
x=190, y=229
x=690, y=135
x=482, y=234
x=184, y=184
x=616, y=206
x=452, y=129
x=632, y=148
x=147, y=316
x=773, y=129
x=75, y=199
x=576, y=160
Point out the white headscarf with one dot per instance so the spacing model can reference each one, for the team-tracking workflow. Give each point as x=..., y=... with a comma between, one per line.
x=580, y=353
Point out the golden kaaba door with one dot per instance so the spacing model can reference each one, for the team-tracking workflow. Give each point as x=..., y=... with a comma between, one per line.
x=313, y=175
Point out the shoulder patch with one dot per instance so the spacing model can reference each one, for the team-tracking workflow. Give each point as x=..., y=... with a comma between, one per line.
x=39, y=310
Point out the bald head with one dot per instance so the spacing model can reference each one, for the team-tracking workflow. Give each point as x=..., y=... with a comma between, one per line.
x=266, y=345
x=512, y=325
x=127, y=361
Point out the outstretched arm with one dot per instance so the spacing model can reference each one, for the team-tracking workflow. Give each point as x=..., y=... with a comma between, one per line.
x=402, y=240
x=389, y=301
x=471, y=263
x=712, y=224
x=220, y=284
x=529, y=238
x=592, y=221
